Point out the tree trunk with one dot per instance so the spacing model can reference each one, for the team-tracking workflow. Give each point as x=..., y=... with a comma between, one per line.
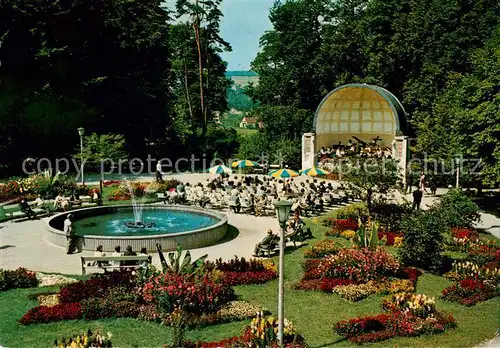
x=186, y=86
x=196, y=27
x=369, y=195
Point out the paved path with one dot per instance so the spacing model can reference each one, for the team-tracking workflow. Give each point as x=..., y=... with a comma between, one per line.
x=23, y=244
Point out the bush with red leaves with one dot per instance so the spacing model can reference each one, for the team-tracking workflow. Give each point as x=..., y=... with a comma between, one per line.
x=259, y=277
x=44, y=314
x=97, y=286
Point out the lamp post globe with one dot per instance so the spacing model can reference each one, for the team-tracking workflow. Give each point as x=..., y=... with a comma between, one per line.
x=282, y=214
x=81, y=131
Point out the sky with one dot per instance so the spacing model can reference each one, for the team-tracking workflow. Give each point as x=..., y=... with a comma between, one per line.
x=243, y=24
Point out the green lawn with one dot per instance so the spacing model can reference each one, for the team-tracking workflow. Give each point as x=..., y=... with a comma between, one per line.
x=312, y=312
x=244, y=132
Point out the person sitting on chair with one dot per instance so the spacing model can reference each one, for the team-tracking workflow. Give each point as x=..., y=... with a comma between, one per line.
x=129, y=252
x=25, y=208
x=266, y=242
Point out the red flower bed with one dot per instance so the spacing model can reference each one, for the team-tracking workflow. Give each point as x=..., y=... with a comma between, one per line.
x=399, y=321
x=259, y=277
x=323, y=284
x=108, y=183
x=468, y=292
x=361, y=265
x=124, y=197
x=357, y=326
x=97, y=286
x=389, y=237
x=241, y=271
x=199, y=294
x=458, y=232
x=483, y=254
x=312, y=269
x=44, y=314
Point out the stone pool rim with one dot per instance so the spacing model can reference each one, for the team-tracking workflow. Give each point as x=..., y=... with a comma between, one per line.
x=191, y=239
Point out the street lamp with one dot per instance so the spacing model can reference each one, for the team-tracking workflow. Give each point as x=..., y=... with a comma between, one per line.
x=81, y=130
x=457, y=162
x=282, y=213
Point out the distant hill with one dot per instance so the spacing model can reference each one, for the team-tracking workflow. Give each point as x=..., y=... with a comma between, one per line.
x=240, y=73
x=243, y=78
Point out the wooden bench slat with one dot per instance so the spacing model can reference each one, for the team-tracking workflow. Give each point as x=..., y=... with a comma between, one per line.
x=116, y=258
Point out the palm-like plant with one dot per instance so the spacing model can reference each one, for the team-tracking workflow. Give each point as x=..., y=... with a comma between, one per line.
x=367, y=237
x=179, y=261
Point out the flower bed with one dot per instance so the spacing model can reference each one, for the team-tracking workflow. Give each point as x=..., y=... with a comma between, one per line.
x=59, y=312
x=86, y=340
x=406, y=315
x=321, y=249
x=196, y=293
x=470, y=291
x=351, y=269
x=361, y=265
x=391, y=238
x=19, y=278
x=262, y=332
x=241, y=271
x=340, y=225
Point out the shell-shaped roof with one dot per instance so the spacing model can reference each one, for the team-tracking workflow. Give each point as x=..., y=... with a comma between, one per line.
x=360, y=109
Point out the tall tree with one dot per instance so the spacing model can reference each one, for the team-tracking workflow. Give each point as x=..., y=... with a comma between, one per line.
x=204, y=18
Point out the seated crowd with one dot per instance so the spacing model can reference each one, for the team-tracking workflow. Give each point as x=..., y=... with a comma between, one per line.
x=128, y=252
x=254, y=195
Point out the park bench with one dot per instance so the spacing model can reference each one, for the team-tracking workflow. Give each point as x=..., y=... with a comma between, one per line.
x=103, y=262
x=269, y=248
x=161, y=197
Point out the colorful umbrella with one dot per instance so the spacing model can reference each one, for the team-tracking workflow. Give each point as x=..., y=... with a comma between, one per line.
x=244, y=164
x=283, y=173
x=314, y=172
x=220, y=170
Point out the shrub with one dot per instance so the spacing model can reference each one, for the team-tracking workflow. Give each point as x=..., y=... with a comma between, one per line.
x=96, y=308
x=19, y=278
x=390, y=215
x=126, y=309
x=457, y=209
x=423, y=241
x=60, y=312
x=353, y=211
x=9, y=191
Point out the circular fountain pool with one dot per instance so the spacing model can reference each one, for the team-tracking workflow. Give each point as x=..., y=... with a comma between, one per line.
x=116, y=225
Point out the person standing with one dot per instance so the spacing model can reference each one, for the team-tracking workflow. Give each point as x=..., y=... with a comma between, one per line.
x=69, y=230
x=417, y=199
x=422, y=182
x=159, y=177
